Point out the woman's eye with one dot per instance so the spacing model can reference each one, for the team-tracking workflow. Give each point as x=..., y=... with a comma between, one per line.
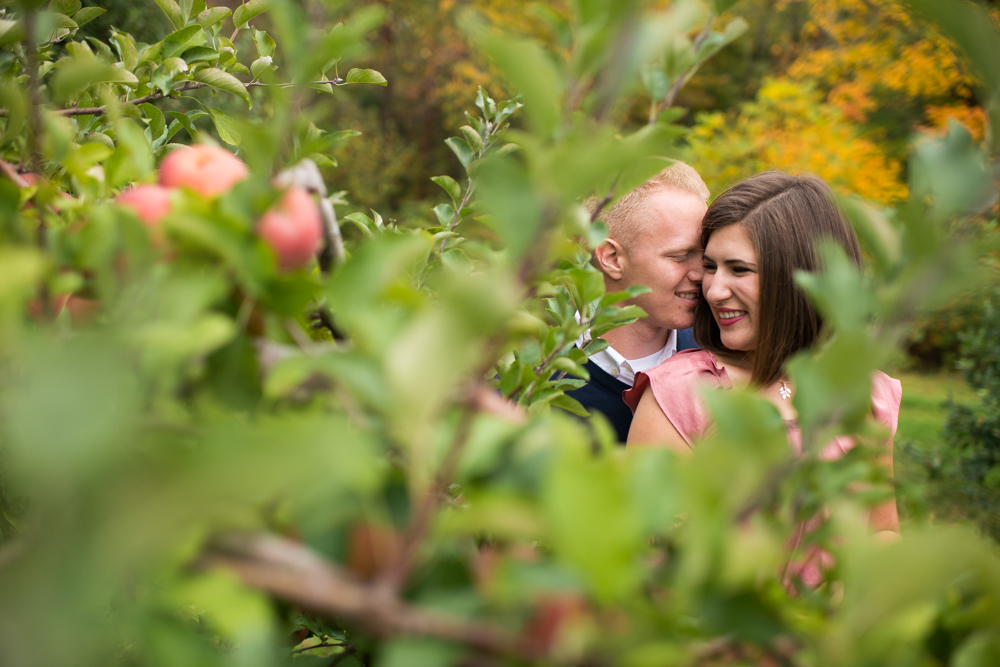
x=709, y=268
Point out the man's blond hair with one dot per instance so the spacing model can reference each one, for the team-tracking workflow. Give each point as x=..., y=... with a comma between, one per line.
x=627, y=220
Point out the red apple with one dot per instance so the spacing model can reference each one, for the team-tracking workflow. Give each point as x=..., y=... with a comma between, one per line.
x=81, y=311
x=208, y=170
x=150, y=202
x=293, y=229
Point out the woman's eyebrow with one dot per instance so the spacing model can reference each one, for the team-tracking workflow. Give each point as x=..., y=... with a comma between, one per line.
x=732, y=262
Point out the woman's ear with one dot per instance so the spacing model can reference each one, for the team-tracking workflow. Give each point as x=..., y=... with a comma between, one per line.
x=611, y=259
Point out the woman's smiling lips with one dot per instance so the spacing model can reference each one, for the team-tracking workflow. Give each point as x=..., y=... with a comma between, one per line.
x=729, y=316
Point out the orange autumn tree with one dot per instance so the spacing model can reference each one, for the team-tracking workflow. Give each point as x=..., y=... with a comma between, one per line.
x=856, y=78
x=790, y=127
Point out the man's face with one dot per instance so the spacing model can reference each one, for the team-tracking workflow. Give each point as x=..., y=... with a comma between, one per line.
x=666, y=257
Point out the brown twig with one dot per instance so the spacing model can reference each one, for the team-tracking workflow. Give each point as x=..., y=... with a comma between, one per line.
x=292, y=572
x=596, y=213
x=11, y=173
x=668, y=99
x=34, y=103
x=399, y=572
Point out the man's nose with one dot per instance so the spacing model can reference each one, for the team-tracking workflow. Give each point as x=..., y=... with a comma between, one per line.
x=696, y=272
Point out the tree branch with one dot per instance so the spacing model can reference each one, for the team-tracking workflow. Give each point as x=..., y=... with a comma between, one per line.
x=596, y=213
x=34, y=103
x=294, y=573
x=668, y=99
x=399, y=571
x=11, y=172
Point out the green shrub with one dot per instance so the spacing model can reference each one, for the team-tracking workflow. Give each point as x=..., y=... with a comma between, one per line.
x=974, y=431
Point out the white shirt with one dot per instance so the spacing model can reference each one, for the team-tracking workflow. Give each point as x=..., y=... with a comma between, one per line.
x=624, y=370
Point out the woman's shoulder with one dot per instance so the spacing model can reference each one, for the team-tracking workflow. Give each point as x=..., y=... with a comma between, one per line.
x=690, y=365
x=675, y=382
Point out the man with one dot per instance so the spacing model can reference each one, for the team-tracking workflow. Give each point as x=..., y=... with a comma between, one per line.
x=654, y=239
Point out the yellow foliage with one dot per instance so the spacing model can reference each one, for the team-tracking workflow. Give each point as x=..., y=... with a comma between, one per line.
x=876, y=45
x=973, y=118
x=790, y=127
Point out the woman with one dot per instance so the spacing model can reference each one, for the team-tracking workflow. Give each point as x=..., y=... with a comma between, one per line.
x=753, y=317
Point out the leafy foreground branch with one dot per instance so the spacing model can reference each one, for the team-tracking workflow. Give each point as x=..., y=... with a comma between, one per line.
x=294, y=573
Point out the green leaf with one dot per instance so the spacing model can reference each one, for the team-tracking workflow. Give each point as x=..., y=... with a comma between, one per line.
x=570, y=405
x=176, y=43
x=102, y=49
x=87, y=14
x=157, y=124
x=530, y=71
x=249, y=11
x=79, y=74
x=655, y=80
x=485, y=103
x=213, y=15
x=716, y=41
x=595, y=346
x=173, y=12
x=472, y=138
x=449, y=185
x=67, y=7
x=133, y=157
x=223, y=81
x=264, y=43
x=951, y=172
x=185, y=7
x=227, y=128
x=187, y=120
x=261, y=66
x=126, y=49
x=445, y=214
x=461, y=149
x=365, y=76
x=200, y=54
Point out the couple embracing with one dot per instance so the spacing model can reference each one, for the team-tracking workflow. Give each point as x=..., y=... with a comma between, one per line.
x=721, y=279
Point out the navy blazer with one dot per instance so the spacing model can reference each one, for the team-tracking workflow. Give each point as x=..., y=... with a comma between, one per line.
x=604, y=392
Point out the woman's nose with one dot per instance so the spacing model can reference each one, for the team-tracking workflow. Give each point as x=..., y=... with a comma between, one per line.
x=715, y=289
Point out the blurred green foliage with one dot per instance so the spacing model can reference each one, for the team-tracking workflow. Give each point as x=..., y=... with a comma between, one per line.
x=974, y=430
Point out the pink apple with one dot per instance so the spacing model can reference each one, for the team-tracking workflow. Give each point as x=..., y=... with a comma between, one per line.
x=293, y=229
x=208, y=170
x=150, y=202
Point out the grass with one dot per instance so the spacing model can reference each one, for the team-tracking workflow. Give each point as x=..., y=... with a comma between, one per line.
x=926, y=489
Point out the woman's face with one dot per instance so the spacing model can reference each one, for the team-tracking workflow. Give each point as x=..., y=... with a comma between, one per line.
x=731, y=286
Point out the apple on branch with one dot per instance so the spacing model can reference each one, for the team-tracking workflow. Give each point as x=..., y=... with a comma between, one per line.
x=293, y=229
x=208, y=170
x=151, y=203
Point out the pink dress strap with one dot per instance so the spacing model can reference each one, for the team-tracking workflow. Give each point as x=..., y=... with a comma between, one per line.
x=676, y=385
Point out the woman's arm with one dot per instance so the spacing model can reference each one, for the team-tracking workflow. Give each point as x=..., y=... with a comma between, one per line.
x=651, y=428
x=884, y=518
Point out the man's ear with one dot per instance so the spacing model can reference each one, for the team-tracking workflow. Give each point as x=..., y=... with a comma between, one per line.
x=611, y=259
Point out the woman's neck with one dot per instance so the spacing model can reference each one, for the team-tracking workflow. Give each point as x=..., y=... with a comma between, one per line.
x=739, y=366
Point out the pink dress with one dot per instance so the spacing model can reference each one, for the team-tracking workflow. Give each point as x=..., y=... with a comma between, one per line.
x=675, y=385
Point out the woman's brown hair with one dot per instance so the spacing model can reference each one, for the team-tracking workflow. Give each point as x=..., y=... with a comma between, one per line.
x=784, y=216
